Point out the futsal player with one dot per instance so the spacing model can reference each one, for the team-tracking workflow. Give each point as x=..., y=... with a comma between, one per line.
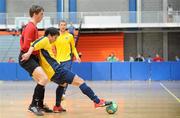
x=55, y=71
x=30, y=34
x=65, y=47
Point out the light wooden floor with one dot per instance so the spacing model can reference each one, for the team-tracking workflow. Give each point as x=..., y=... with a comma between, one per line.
x=136, y=99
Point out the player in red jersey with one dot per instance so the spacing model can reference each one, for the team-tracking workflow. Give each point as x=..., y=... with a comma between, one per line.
x=30, y=34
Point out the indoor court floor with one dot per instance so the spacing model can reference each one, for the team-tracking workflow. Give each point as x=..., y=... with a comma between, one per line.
x=135, y=99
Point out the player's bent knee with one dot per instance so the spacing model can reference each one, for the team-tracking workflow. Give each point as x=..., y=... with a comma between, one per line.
x=43, y=81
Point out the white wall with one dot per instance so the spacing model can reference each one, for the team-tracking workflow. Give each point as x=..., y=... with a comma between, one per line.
x=102, y=5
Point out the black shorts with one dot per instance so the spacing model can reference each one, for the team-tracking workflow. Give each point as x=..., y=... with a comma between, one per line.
x=30, y=64
x=63, y=76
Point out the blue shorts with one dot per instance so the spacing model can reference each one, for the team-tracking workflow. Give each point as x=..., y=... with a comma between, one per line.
x=63, y=76
x=66, y=64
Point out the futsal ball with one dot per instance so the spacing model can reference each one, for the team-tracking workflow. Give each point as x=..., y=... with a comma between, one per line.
x=111, y=109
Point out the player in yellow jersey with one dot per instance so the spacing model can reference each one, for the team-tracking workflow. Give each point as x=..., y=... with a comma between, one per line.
x=64, y=47
x=55, y=71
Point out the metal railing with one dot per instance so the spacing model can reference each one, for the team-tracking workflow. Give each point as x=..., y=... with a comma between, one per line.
x=91, y=19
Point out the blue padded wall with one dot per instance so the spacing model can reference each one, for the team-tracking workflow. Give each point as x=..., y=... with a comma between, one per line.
x=101, y=71
x=83, y=70
x=106, y=71
x=160, y=71
x=22, y=74
x=8, y=71
x=140, y=71
x=175, y=70
x=120, y=71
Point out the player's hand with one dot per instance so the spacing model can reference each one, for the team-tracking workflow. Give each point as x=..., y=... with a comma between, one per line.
x=78, y=60
x=25, y=57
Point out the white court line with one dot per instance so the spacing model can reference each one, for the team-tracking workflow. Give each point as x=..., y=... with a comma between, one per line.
x=170, y=92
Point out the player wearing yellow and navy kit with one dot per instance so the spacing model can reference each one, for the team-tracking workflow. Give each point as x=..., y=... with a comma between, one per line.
x=65, y=47
x=55, y=71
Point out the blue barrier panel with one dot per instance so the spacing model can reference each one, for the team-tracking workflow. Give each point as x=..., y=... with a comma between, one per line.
x=22, y=74
x=120, y=71
x=160, y=70
x=105, y=71
x=175, y=70
x=101, y=71
x=8, y=71
x=140, y=71
x=83, y=70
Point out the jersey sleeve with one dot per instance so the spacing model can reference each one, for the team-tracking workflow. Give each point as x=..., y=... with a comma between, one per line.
x=73, y=46
x=40, y=43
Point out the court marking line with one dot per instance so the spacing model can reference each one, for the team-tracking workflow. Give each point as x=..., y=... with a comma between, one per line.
x=170, y=92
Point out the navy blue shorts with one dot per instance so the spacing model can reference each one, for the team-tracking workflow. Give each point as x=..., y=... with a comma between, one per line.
x=63, y=76
x=66, y=64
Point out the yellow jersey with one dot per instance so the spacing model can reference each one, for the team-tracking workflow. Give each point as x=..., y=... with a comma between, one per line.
x=46, y=57
x=65, y=45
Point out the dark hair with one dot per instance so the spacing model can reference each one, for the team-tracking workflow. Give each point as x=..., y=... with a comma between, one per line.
x=35, y=9
x=52, y=31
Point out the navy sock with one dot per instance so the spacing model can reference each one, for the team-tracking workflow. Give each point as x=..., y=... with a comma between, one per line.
x=38, y=95
x=59, y=93
x=89, y=92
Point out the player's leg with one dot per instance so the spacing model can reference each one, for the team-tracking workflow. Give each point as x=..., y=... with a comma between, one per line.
x=58, y=79
x=38, y=98
x=35, y=70
x=59, y=94
x=66, y=65
x=77, y=81
x=57, y=108
x=58, y=91
x=70, y=78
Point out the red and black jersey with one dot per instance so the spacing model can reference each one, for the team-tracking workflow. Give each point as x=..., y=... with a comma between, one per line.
x=29, y=34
